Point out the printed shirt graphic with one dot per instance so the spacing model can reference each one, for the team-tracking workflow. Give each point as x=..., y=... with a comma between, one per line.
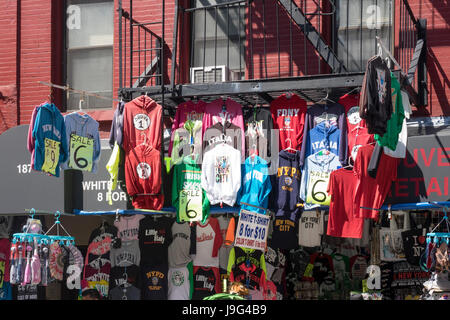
x=179, y=284
x=310, y=229
x=206, y=282
x=128, y=227
x=154, y=240
x=155, y=283
x=222, y=169
x=381, y=84
x=289, y=118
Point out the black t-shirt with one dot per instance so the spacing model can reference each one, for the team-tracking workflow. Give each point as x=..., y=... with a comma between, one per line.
x=285, y=232
x=154, y=282
x=155, y=236
x=205, y=282
x=121, y=275
x=379, y=101
x=258, y=118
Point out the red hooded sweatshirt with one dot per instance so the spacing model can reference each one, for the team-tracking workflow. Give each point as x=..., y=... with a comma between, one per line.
x=142, y=123
x=143, y=177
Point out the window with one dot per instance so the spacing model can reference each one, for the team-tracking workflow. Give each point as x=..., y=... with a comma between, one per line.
x=226, y=49
x=89, y=49
x=358, y=23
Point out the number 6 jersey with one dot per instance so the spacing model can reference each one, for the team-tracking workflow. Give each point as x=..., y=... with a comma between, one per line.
x=188, y=197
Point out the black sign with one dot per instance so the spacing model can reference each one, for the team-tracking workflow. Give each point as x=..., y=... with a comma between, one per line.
x=89, y=191
x=424, y=175
x=21, y=187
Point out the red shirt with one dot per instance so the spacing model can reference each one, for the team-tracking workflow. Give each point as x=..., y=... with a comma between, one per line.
x=370, y=192
x=141, y=122
x=357, y=132
x=341, y=220
x=143, y=177
x=289, y=118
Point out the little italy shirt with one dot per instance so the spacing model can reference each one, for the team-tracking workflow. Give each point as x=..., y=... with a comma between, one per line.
x=221, y=174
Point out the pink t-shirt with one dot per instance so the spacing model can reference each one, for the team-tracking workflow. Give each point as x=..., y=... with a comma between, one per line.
x=128, y=227
x=186, y=111
x=214, y=114
x=209, y=241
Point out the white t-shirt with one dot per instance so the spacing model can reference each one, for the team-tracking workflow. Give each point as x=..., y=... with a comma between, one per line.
x=179, y=284
x=209, y=239
x=310, y=229
x=128, y=227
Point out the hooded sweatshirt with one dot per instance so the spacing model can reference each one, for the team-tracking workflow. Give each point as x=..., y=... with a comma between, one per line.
x=323, y=137
x=82, y=134
x=287, y=182
x=186, y=137
x=188, y=198
x=233, y=112
x=143, y=177
x=186, y=111
x=315, y=176
x=221, y=174
x=218, y=133
x=30, y=139
x=335, y=115
x=256, y=186
x=142, y=123
x=49, y=134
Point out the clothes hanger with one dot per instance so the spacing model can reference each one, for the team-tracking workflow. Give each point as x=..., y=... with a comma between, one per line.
x=289, y=148
x=144, y=143
x=80, y=108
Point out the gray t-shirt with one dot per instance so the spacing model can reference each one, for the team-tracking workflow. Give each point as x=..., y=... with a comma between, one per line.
x=179, y=248
x=130, y=293
x=128, y=254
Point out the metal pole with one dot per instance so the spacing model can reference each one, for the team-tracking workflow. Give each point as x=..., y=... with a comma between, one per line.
x=120, y=45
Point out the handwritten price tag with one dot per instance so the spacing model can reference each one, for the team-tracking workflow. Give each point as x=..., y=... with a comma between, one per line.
x=190, y=205
x=317, y=188
x=51, y=158
x=81, y=152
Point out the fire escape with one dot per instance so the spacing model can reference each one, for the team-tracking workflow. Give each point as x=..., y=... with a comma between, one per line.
x=300, y=34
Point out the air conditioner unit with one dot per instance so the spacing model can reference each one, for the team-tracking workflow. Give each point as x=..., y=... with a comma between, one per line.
x=221, y=73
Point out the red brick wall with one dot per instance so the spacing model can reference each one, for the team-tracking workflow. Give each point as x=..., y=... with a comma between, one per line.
x=8, y=80
x=38, y=61
x=437, y=14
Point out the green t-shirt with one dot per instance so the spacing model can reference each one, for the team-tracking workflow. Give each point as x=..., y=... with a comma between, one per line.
x=394, y=124
x=188, y=197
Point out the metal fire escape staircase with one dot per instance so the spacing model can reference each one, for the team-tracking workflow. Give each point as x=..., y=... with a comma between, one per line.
x=247, y=92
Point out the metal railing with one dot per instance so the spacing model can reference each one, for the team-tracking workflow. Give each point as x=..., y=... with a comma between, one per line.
x=264, y=39
x=140, y=52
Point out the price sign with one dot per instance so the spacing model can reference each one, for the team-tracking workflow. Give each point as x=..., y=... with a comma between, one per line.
x=51, y=158
x=252, y=230
x=81, y=152
x=317, y=188
x=190, y=205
